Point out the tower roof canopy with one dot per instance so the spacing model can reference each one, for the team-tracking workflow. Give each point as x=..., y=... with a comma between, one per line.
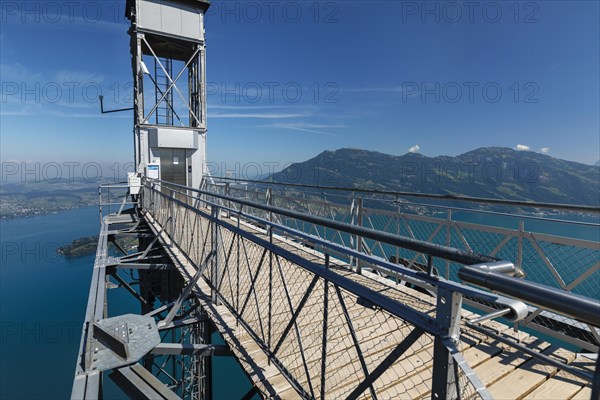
x=202, y=4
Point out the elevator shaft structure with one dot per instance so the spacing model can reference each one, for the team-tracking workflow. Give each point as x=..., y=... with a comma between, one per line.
x=168, y=55
x=164, y=351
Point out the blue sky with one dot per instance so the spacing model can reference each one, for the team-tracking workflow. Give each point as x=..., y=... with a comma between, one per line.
x=288, y=80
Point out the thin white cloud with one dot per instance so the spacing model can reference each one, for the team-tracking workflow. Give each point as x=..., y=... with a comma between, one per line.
x=15, y=108
x=414, y=149
x=29, y=92
x=315, y=131
x=79, y=77
x=545, y=150
x=43, y=111
x=306, y=127
x=522, y=147
x=256, y=107
x=259, y=116
x=16, y=113
x=18, y=73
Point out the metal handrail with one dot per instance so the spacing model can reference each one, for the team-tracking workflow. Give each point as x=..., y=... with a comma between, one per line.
x=405, y=272
x=567, y=303
x=503, y=214
x=516, y=203
x=114, y=185
x=109, y=201
x=166, y=203
x=561, y=301
x=541, y=320
x=440, y=251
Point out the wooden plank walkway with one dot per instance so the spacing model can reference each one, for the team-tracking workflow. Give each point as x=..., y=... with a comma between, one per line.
x=508, y=374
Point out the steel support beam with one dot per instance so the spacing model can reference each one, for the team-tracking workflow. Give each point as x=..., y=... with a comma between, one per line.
x=203, y=350
x=186, y=292
x=445, y=380
x=139, y=383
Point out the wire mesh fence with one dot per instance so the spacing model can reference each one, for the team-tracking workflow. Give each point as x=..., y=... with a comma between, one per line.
x=322, y=335
x=563, y=254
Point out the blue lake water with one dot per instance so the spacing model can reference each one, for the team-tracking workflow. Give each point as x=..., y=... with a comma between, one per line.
x=42, y=303
x=43, y=297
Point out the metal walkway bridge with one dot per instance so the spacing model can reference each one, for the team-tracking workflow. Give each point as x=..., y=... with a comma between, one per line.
x=321, y=293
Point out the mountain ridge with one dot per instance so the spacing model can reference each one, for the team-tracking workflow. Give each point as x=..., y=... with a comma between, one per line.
x=492, y=172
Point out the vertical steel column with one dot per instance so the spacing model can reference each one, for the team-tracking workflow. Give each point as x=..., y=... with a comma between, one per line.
x=238, y=262
x=214, y=275
x=398, y=219
x=269, y=198
x=227, y=193
x=172, y=213
x=359, y=239
x=270, y=233
x=145, y=290
x=208, y=366
x=520, y=245
x=174, y=289
x=100, y=202
x=444, y=379
x=192, y=93
x=202, y=365
x=352, y=260
x=448, y=239
x=138, y=92
x=202, y=84
x=324, y=328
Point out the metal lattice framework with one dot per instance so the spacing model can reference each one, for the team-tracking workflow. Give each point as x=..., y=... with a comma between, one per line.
x=568, y=263
x=304, y=299
x=311, y=295
x=308, y=318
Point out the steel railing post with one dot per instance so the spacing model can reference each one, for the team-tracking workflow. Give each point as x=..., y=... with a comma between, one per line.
x=359, y=239
x=214, y=275
x=172, y=213
x=398, y=219
x=352, y=237
x=100, y=202
x=448, y=239
x=445, y=379
x=520, y=246
x=269, y=195
x=228, y=193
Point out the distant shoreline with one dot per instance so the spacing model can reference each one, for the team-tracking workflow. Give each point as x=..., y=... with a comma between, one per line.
x=42, y=213
x=31, y=199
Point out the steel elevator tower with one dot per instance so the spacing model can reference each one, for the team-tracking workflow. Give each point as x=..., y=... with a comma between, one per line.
x=164, y=351
x=168, y=59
